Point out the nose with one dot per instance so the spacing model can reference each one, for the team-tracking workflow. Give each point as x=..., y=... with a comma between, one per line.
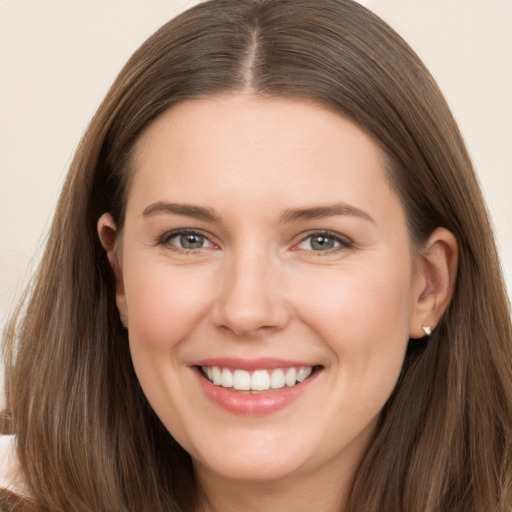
x=251, y=302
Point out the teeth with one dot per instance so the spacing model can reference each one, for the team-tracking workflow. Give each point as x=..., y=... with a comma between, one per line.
x=290, y=377
x=241, y=380
x=227, y=378
x=259, y=380
x=303, y=374
x=216, y=376
x=277, y=379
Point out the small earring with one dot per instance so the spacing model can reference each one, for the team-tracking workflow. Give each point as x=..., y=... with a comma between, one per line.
x=427, y=330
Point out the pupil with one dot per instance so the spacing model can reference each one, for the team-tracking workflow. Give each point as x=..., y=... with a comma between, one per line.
x=322, y=243
x=191, y=241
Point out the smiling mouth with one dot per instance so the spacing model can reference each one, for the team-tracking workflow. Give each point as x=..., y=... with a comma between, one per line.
x=258, y=380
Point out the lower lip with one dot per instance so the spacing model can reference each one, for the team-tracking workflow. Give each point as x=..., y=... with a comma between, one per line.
x=263, y=402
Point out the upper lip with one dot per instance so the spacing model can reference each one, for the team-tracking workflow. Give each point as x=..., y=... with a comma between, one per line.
x=263, y=363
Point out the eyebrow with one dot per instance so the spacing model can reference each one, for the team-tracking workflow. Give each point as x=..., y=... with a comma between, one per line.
x=290, y=215
x=319, y=212
x=161, y=207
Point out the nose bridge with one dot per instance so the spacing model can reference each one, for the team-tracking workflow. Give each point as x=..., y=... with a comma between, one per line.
x=250, y=300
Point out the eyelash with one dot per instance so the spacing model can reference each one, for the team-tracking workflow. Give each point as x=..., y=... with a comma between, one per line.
x=165, y=239
x=344, y=242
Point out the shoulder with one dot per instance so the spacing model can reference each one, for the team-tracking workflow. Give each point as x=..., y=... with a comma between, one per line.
x=11, y=483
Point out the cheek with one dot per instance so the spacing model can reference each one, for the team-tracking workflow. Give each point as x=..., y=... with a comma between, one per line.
x=164, y=304
x=362, y=313
x=364, y=321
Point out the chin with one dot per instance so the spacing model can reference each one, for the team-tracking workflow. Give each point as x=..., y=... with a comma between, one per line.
x=244, y=470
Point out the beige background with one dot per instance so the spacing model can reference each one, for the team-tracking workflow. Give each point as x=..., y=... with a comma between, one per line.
x=58, y=57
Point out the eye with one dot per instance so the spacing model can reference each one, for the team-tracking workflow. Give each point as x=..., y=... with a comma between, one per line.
x=324, y=241
x=187, y=240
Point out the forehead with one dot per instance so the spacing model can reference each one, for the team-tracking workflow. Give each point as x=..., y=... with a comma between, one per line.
x=277, y=151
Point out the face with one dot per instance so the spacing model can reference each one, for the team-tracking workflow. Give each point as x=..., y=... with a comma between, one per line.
x=267, y=280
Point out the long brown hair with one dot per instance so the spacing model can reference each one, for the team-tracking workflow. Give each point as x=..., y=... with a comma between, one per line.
x=87, y=438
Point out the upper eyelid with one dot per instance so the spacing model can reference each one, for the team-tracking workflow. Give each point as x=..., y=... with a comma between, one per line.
x=344, y=244
x=343, y=239
x=325, y=232
x=165, y=237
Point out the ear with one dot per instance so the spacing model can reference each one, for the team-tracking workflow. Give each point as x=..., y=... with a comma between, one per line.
x=108, y=235
x=434, y=282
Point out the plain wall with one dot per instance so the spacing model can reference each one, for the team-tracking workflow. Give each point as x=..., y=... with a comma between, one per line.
x=58, y=57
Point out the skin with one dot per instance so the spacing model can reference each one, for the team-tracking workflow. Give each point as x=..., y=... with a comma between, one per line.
x=259, y=288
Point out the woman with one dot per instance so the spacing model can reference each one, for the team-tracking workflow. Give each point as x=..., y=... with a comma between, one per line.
x=270, y=284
